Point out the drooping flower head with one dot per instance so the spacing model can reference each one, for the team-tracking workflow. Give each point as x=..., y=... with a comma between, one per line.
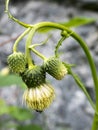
x=40, y=97
x=55, y=68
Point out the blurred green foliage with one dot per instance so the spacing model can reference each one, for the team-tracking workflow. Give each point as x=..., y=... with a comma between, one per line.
x=16, y=118
x=29, y=127
x=18, y=113
x=7, y=80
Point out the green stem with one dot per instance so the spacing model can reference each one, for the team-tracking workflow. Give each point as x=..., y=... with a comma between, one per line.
x=19, y=38
x=28, y=43
x=13, y=18
x=58, y=45
x=95, y=119
x=38, y=53
x=95, y=122
x=91, y=63
x=82, y=87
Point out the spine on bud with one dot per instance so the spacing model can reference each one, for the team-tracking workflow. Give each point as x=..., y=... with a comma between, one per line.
x=34, y=77
x=17, y=62
x=55, y=68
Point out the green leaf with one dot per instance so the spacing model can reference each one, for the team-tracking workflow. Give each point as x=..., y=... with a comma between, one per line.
x=3, y=107
x=10, y=80
x=20, y=114
x=29, y=127
x=78, y=21
x=75, y=22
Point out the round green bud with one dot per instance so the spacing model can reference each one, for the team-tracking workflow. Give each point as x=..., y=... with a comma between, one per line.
x=34, y=77
x=17, y=62
x=55, y=68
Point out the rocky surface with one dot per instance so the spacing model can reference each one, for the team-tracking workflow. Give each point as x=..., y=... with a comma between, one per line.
x=70, y=110
x=83, y=4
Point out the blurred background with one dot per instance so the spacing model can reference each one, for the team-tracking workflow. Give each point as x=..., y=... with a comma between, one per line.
x=70, y=109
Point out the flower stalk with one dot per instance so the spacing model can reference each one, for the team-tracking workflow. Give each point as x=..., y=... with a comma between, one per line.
x=19, y=39
x=36, y=97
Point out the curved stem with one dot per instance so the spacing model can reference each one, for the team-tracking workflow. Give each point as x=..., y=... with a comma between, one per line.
x=91, y=63
x=82, y=44
x=19, y=38
x=13, y=18
x=28, y=43
x=88, y=55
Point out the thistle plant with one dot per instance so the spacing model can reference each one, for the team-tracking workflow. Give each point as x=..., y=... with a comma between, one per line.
x=40, y=94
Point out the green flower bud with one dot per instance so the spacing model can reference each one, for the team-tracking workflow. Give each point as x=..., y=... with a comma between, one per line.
x=17, y=62
x=40, y=97
x=55, y=68
x=34, y=77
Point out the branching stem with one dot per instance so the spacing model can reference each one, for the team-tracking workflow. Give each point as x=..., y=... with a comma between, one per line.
x=36, y=27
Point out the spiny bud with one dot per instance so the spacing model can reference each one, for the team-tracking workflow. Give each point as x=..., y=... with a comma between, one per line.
x=40, y=97
x=17, y=62
x=55, y=68
x=34, y=77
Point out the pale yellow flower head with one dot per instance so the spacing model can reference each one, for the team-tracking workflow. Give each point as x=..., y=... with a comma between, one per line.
x=39, y=98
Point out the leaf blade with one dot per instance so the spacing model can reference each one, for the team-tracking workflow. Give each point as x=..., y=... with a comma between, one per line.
x=78, y=21
x=20, y=114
